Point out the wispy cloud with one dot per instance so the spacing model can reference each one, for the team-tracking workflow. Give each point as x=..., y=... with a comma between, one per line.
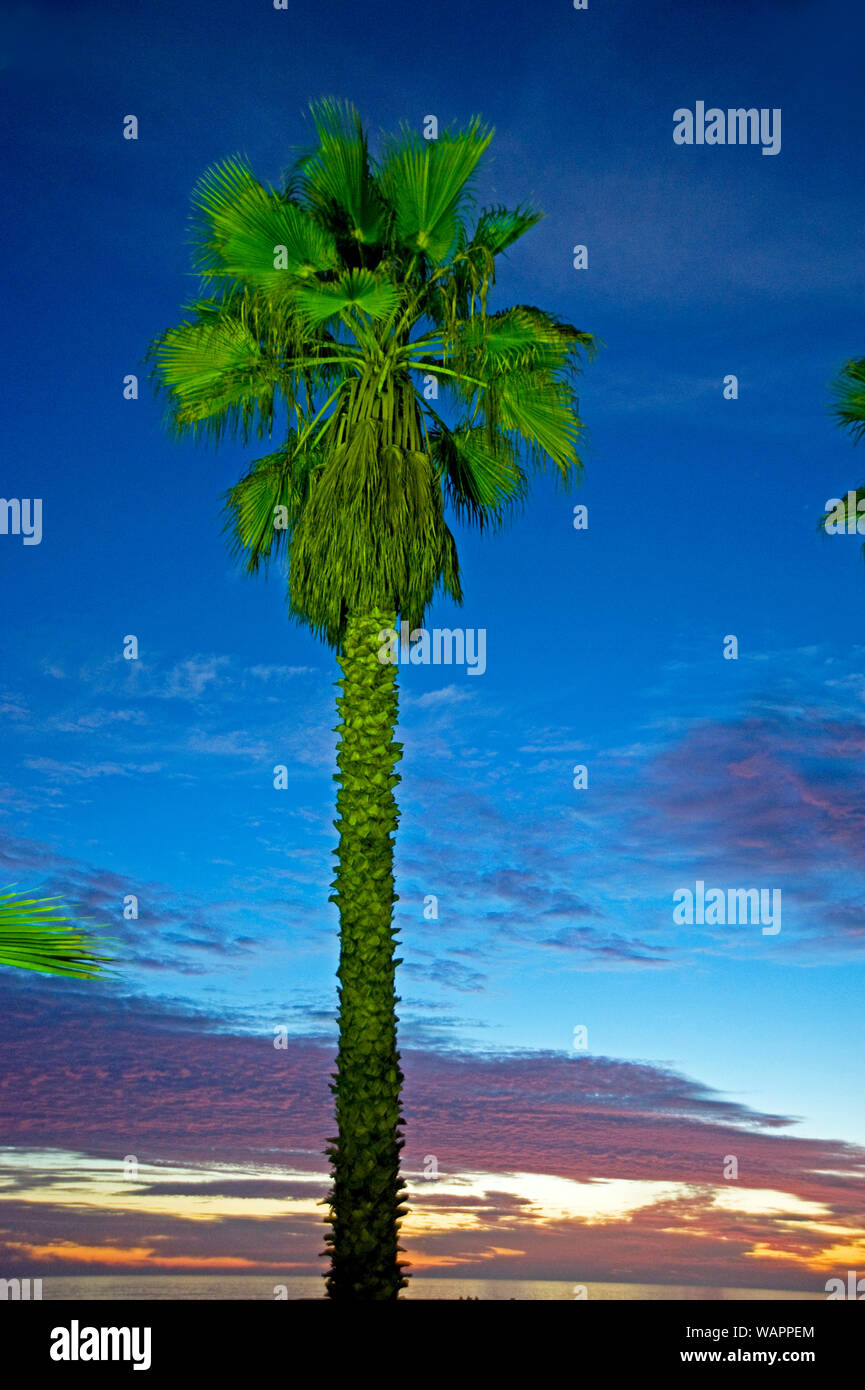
x=580, y=1166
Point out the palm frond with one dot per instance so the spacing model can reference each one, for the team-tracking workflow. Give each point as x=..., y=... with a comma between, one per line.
x=357, y=290
x=334, y=180
x=372, y=535
x=263, y=508
x=514, y=371
x=543, y=414
x=37, y=934
x=216, y=376
x=499, y=227
x=482, y=478
x=846, y=514
x=521, y=337
x=849, y=398
x=249, y=234
x=427, y=182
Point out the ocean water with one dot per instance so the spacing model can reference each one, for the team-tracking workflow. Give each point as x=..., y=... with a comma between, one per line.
x=138, y=1288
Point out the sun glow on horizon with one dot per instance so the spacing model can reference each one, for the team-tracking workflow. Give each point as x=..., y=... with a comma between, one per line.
x=502, y=1207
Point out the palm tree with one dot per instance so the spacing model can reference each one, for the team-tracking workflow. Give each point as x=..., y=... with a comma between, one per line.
x=346, y=299
x=36, y=934
x=848, y=410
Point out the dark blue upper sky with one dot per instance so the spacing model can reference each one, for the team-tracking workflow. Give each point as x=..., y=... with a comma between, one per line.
x=604, y=646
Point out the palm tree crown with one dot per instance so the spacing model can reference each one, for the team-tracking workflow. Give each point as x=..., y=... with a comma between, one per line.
x=343, y=297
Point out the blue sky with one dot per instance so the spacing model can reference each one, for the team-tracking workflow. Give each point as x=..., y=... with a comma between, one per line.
x=604, y=646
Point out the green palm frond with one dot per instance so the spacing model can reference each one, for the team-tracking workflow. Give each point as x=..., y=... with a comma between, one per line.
x=427, y=182
x=482, y=478
x=263, y=508
x=37, y=934
x=216, y=376
x=499, y=227
x=846, y=516
x=514, y=371
x=543, y=414
x=372, y=534
x=334, y=180
x=522, y=337
x=357, y=290
x=848, y=409
x=249, y=234
x=849, y=398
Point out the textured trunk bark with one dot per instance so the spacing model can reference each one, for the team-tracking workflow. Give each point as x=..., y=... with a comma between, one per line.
x=367, y=1193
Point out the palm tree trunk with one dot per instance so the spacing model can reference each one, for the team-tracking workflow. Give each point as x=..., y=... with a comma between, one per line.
x=366, y=1196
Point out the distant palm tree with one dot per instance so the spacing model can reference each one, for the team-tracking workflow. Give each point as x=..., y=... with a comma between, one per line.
x=36, y=934
x=349, y=297
x=849, y=411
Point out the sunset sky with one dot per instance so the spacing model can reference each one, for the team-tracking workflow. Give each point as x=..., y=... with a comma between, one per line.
x=604, y=648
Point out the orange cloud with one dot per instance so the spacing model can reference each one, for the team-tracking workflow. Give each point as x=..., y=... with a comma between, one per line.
x=136, y=1257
